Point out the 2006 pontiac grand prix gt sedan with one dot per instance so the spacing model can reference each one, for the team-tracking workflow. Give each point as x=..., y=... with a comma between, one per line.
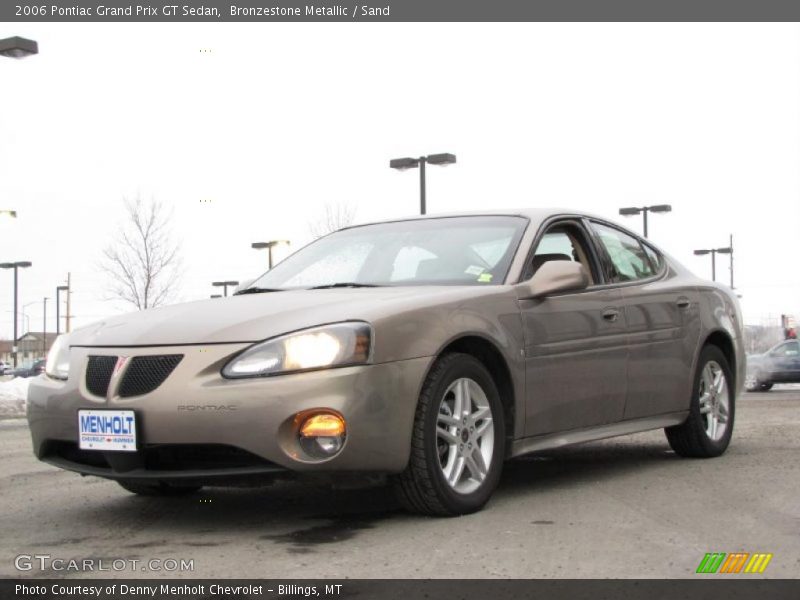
x=428, y=350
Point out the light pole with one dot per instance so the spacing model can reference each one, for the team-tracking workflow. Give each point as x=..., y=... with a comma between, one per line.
x=26, y=319
x=59, y=289
x=18, y=47
x=635, y=210
x=24, y=314
x=224, y=285
x=16, y=266
x=730, y=246
x=401, y=164
x=8, y=214
x=713, y=252
x=44, y=328
x=216, y=295
x=269, y=246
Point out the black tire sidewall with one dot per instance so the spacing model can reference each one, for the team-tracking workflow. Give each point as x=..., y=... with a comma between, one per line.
x=463, y=365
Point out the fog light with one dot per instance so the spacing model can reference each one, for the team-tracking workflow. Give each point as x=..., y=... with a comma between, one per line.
x=322, y=435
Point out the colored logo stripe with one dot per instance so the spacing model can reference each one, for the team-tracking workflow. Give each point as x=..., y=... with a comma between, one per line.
x=711, y=562
x=721, y=562
x=758, y=563
x=734, y=562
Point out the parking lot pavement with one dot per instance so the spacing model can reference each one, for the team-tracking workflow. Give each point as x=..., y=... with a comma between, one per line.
x=626, y=507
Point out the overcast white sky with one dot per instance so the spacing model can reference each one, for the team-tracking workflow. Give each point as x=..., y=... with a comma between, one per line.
x=278, y=119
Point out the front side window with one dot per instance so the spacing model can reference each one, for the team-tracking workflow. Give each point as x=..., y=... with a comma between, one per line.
x=629, y=261
x=561, y=242
x=442, y=251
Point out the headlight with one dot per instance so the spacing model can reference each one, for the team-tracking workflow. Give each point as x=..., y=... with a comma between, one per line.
x=338, y=345
x=57, y=365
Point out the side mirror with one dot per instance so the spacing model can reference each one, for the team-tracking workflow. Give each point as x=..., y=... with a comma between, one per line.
x=552, y=277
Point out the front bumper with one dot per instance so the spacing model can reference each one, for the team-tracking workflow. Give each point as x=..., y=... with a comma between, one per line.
x=200, y=426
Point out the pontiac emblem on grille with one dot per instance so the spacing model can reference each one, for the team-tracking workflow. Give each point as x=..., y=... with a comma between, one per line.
x=121, y=360
x=116, y=376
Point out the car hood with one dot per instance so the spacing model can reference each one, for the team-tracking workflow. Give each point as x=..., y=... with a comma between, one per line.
x=255, y=317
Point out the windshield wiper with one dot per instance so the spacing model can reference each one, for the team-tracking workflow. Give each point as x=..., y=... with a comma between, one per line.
x=343, y=284
x=256, y=290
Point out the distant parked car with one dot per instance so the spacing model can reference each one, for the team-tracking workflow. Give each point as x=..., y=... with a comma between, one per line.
x=779, y=364
x=31, y=370
x=4, y=366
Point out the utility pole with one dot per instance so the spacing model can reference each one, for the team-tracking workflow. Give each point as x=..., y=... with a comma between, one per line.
x=44, y=329
x=69, y=297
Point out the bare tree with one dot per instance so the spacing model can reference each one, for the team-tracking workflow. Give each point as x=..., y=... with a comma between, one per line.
x=143, y=261
x=336, y=216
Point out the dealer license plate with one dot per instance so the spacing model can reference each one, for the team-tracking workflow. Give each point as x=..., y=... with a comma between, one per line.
x=107, y=430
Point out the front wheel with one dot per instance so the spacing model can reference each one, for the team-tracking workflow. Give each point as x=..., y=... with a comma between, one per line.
x=707, y=431
x=755, y=383
x=458, y=440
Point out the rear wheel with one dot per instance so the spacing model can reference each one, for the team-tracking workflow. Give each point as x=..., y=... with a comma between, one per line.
x=158, y=489
x=457, y=443
x=707, y=431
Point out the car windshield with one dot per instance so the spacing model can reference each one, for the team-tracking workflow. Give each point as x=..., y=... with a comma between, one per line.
x=442, y=251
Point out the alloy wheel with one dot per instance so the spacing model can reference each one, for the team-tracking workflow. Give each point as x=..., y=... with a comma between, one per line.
x=464, y=435
x=714, y=400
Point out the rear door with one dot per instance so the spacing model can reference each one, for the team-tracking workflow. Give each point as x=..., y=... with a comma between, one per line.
x=663, y=323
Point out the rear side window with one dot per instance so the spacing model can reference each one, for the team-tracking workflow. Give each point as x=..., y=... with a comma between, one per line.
x=629, y=261
x=655, y=258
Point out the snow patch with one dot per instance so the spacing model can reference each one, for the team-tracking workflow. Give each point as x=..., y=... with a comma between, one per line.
x=13, y=396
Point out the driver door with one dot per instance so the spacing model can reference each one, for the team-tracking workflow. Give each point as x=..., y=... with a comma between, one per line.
x=575, y=343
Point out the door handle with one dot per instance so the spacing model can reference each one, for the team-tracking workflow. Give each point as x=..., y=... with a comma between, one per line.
x=611, y=314
x=682, y=303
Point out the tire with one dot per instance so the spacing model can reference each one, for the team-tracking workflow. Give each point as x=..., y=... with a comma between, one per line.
x=697, y=437
x=756, y=383
x=158, y=489
x=442, y=444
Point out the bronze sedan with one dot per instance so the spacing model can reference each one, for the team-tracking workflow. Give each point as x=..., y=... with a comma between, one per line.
x=428, y=350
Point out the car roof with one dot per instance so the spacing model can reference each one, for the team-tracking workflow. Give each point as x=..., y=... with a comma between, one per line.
x=534, y=214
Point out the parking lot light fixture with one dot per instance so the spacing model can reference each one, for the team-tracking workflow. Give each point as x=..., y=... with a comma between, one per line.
x=269, y=246
x=18, y=47
x=23, y=264
x=403, y=164
x=8, y=214
x=225, y=285
x=635, y=210
x=713, y=252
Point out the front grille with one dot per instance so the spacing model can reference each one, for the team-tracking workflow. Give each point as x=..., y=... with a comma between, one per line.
x=98, y=374
x=146, y=373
